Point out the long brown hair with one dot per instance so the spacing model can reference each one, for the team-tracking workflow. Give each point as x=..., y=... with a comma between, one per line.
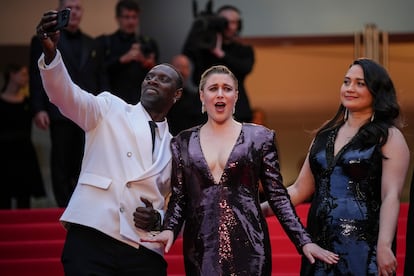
x=385, y=106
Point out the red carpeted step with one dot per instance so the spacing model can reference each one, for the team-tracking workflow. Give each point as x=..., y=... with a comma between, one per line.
x=30, y=249
x=30, y=215
x=286, y=263
x=31, y=242
x=32, y=267
x=32, y=231
x=175, y=263
x=177, y=247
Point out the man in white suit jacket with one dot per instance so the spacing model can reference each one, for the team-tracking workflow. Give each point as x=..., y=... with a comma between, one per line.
x=119, y=172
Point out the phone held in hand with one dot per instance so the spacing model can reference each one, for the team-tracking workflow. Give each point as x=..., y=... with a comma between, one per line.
x=62, y=20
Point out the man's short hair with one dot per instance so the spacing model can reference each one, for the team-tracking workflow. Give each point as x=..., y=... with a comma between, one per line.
x=126, y=5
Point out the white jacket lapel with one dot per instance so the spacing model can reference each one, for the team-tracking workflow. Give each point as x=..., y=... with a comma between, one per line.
x=164, y=155
x=138, y=116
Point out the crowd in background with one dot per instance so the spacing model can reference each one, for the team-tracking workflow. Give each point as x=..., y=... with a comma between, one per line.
x=117, y=63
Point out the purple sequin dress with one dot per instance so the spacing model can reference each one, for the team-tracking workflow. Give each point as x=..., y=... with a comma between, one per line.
x=344, y=213
x=225, y=232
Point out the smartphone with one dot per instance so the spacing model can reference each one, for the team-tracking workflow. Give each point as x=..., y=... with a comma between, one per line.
x=62, y=20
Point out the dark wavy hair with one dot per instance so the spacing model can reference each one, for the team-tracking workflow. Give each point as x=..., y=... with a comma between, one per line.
x=385, y=106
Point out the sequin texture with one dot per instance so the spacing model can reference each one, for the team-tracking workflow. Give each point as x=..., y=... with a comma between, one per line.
x=344, y=213
x=225, y=232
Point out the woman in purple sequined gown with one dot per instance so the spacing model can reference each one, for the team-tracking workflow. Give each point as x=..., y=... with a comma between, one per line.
x=216, y=171
x=355, y=172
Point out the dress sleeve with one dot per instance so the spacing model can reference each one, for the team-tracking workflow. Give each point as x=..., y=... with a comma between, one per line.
x=175, y=215
x=278, y=196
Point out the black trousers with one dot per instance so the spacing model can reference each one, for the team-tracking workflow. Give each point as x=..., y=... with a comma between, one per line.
x=68, y=141
x=89, y=252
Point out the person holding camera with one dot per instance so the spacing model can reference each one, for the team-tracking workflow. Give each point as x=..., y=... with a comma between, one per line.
x=213, y=40
x=128, y=55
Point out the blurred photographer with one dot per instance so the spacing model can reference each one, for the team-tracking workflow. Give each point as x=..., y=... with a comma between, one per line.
x=213, y=40
x=128, y=55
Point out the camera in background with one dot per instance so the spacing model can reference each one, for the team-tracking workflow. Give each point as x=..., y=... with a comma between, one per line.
x=203, y=33
x=206, y=25
x=147, y=46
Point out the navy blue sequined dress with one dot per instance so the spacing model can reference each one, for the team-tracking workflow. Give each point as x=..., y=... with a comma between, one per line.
x=344, y=213
x=225, y=232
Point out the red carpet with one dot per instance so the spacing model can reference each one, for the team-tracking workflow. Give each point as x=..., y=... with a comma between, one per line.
x=31, y=242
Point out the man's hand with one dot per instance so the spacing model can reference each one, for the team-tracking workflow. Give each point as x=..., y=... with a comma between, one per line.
x=218, y=49
x=49, y=39
x=133, y=54
x=147, y=218
x=149, y=61
x=42, y=120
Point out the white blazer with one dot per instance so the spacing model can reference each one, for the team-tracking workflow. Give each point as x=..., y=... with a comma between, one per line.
x=117, y=167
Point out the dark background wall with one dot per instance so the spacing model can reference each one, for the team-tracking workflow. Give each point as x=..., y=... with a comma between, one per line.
x=169, y=21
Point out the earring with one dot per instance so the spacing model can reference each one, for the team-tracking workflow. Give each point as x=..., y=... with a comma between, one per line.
x=373, y=117
x=346, y=114
x=234, y=109
x=175, y=100
x=203, y=108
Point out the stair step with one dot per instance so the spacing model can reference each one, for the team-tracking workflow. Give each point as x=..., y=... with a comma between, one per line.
x=30, y=215
x=32, y=267
x=32, y=231
x=31, y=242
x=30, y=249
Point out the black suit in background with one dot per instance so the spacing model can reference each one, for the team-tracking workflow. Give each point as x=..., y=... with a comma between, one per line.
x=409, y=240
x=239, y=59
x=125, y=79
x=186, y=113
x=84, y=61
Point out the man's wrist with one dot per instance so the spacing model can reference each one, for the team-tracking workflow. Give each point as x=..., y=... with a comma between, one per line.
x=157, y=221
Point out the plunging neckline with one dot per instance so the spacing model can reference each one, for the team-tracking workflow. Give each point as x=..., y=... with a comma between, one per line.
x=223, y=173
x=331, y=157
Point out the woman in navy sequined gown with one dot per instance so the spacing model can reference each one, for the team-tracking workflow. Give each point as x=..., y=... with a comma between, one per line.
x=355, y=172
x=216, y=171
